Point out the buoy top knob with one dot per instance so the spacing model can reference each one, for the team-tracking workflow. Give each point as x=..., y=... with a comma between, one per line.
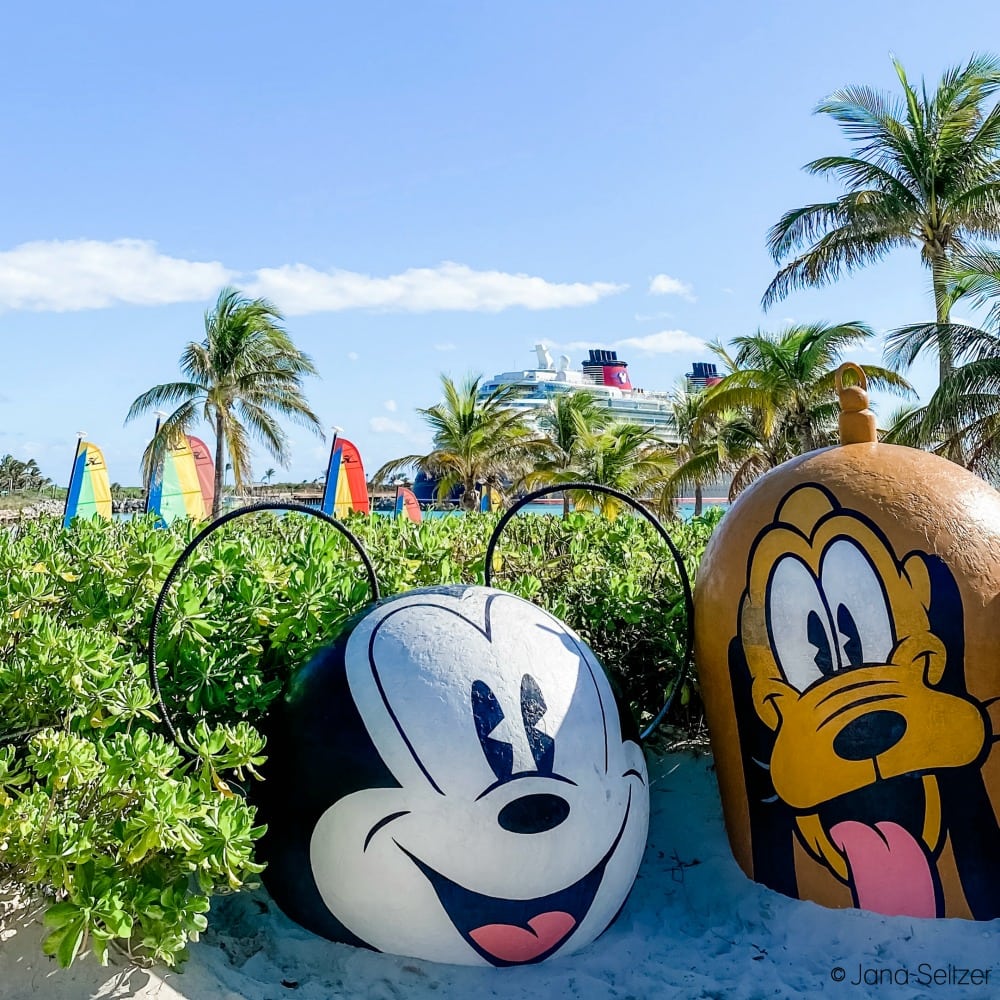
x=857, y=422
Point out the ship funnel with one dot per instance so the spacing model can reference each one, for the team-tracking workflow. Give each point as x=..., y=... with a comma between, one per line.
x=604, y=368
x=544, y=358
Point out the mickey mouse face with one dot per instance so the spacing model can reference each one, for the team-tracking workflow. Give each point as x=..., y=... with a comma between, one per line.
x=520, y=815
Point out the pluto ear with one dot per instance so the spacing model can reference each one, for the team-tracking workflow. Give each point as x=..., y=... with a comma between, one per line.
x=771, y=821
x=946, y=619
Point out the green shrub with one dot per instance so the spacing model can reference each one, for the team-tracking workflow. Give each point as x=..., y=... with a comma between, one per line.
x=127, y=836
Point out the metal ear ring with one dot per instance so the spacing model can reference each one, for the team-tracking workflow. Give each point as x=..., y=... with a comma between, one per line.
x=660, y=530
x=256, y=508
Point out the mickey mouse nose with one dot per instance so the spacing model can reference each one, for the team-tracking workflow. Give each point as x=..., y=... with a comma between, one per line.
x=869, y=735
x=533, y=813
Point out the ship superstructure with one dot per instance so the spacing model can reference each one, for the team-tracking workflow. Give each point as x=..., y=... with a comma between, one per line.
x=603, y=374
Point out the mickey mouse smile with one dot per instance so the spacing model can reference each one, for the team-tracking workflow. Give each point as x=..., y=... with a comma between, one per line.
x=509, y=932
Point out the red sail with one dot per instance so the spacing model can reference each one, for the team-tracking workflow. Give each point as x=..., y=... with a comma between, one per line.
x=351, y=464
x=206, y=471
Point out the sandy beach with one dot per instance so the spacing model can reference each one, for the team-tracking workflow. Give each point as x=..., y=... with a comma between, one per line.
x=693, y=927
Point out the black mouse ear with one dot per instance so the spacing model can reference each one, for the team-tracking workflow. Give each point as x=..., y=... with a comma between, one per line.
x=256, y=508
x=660, y=530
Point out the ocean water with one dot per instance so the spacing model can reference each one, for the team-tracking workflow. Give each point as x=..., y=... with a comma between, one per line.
x=685, y=510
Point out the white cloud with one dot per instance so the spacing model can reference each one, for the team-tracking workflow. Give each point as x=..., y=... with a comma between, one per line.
x=299, y=289
x=444, y=347
x=353, y=355
x=65, y=275
x=580, y=345
x=390, y=405
x=386, y=425
x=663, y=284
x=664, y=342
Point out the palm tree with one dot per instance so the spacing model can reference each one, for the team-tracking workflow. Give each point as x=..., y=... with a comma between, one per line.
x=244, y=372
x=564, y=423
x=623, y=455
x=476, y=440
x=269, y=475
x=926, y=173
x=781, y=386
x=18, y=475
x=962, y=418
x=701, y=454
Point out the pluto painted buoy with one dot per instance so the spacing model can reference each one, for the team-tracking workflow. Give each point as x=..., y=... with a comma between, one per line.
x=847, y=635
x=451, y=780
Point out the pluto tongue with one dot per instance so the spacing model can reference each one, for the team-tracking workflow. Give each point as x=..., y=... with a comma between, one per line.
x=888, y=867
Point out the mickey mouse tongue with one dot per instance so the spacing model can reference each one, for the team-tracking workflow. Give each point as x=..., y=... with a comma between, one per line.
x=888, y=868
x=510, y=943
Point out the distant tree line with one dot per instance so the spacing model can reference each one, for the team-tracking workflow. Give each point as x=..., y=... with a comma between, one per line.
x=17, y=476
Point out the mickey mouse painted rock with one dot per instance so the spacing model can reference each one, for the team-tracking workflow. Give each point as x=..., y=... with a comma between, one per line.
x=452, y=779
x=847, y=639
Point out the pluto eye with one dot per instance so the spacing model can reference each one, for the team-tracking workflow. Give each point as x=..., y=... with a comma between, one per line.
x=798, y=625
x=488, y=714
x=857, y=597
x=852, y=639
x=533, y=708
x=820, y=641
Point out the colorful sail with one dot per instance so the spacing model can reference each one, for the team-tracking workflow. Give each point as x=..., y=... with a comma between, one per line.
x=89, y=493
x=407, y=503
x=489, y=500
x=206, y=471
x=175, y=489
x=346, y=486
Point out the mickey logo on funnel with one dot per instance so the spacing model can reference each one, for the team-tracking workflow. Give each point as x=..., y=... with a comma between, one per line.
x=505, y=816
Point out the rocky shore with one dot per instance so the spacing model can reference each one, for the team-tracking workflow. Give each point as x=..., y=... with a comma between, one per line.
x=55, y=508
x=41, y=508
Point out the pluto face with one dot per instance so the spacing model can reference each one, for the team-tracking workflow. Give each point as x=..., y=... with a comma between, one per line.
x=521, y=812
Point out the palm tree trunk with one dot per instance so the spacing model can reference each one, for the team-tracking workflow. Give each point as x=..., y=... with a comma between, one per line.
x=698, y=499
x=946, y=356
x=946, y=359
x=220, y=468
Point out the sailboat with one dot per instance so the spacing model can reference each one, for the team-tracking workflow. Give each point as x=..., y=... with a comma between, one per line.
x=407, y=505
x=346, y=487
x=175, y=489
x=89, y=493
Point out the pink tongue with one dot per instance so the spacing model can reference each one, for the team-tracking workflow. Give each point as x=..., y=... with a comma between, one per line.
x=510, y=943
x=888, y=867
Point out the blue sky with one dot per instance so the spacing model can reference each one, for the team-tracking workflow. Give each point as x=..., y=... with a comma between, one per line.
x=420, y=188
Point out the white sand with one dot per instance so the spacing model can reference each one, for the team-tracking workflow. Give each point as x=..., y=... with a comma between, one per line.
x=694, y=927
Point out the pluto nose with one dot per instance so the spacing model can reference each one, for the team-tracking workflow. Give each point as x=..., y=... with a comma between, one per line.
x=869, y=735
x=533, y=813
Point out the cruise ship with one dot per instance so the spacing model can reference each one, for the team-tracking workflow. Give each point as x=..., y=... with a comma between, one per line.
x=606, y=376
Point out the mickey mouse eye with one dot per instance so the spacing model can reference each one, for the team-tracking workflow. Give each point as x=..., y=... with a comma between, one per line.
x=488, y=715
x=533, y=708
